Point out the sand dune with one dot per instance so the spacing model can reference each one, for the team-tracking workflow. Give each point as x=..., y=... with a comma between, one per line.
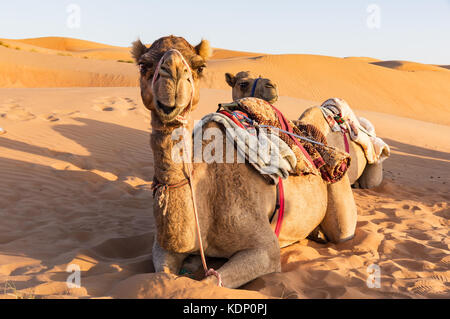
x=365, y=83
x=76, y=169
x=71, y=47
x=66, y=44
x=30, y=69
x=417, y=95
x=362, y=58
x=228, y=54
x=407, y=66
x=95, y=50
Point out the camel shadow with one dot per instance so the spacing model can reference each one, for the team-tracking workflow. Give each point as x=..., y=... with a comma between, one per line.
x=412, y=170
x=73, y=213
x=93, y=209
x=110, y=147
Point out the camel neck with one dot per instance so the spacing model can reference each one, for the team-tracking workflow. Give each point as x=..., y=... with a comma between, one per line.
x=173, y=211
x=167, y=145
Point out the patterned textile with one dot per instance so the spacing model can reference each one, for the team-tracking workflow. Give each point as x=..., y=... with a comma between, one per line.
x=267, y=153
x=245, y=121
x=341, y=118
x=321, y=160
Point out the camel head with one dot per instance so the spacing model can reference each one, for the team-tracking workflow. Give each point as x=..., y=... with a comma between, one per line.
x=170, y=71
x=245, y=84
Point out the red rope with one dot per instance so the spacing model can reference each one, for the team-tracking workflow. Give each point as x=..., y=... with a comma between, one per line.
x=281, y=211
x=287, y=127
x=157, y=185
x=232, y=118
x=347, y=146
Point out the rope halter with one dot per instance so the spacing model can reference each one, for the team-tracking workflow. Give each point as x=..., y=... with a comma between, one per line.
x=180, y=117
x=252, y=94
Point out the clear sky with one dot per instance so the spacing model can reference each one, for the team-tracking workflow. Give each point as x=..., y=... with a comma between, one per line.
x=415, y=30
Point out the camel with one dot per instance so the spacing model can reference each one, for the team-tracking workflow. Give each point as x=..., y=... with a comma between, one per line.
x=233, y=201
x=361, y=174
x=245, y=84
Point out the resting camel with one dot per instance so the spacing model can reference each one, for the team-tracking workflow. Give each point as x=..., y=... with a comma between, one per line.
x=233, y=202
x=361, y=174
x=245, y=84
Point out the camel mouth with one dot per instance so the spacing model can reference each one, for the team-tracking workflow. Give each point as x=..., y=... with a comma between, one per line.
x=169, y=114
x=272, y=100
x=271, y=97
x=166, y=109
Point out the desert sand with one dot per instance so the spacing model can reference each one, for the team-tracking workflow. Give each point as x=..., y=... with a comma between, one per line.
x=76, y=169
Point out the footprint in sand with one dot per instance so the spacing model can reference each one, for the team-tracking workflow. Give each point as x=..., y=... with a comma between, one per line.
x=13, y=110
x=114, y=104
x=50, y=117
x=446, y=260
x=428, y=287
x=57, y=115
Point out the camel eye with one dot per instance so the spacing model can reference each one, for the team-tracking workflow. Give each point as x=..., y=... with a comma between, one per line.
x=143, y=67
x=200, y=69
x=243, y=85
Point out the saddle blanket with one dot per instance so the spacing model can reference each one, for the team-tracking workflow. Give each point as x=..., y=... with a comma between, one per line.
x=341, y=118
x=253, y=119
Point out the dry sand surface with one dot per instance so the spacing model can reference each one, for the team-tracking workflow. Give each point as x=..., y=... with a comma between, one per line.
x=76, y=166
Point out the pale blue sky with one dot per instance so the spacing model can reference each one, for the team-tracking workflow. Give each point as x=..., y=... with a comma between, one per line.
x=415, y=30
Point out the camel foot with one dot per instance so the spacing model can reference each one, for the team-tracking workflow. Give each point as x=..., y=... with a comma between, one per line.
x=341, y=240
x=165, y=261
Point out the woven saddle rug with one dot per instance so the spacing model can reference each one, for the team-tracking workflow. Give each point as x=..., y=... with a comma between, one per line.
x=312, y=158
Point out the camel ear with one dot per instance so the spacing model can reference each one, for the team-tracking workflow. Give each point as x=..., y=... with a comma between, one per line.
x=204, y=49
x=231, y=79
x=138, y=49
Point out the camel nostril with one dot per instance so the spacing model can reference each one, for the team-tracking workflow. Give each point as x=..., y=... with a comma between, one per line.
x=166, y=109
x=270, y=86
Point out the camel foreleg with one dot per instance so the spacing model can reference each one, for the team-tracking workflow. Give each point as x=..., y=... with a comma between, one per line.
x=246, y=265
x=166, y=261
x=340, y=219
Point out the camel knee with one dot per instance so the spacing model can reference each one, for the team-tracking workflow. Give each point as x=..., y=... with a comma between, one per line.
x=270, y=260
x=275, y=261
x=340, y=219
x=372, y=176
x=246, y=265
